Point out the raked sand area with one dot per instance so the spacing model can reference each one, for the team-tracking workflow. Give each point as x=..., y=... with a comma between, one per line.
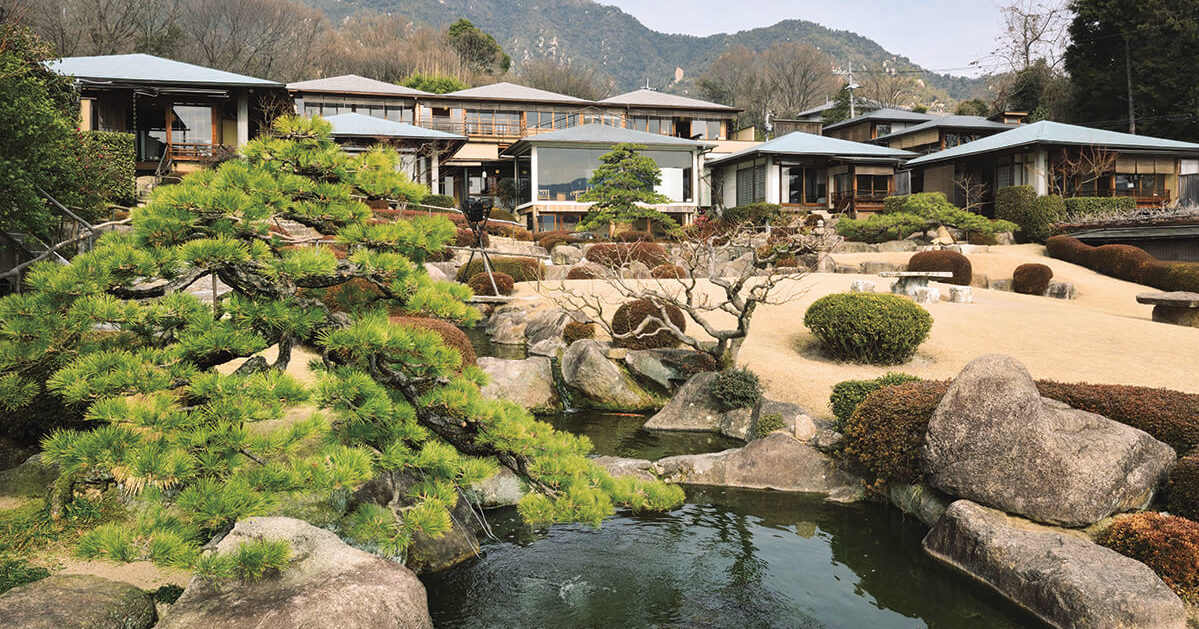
x=1102, y=336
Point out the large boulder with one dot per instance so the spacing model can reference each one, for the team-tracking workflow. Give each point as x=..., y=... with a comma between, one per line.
x=528, y=382
x=328, y=585
x=76, y=601
x=778, y=461
x=621, y=466
x=504, y=489
x=12, y=453
x=742, y=423
x=692, y=408
x=31, y=478
x=666, y=368
x=566, y=255
x=599, y=383
x=507, y=324
x=547, y=325
x=1063, y=578
x=995, y=441
x=426, y=554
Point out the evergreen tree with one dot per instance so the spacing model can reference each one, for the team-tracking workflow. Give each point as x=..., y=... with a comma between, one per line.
x=434, y=83
x=1161, y=39
x=620, y=188
x=479, y=50
x=116, y=339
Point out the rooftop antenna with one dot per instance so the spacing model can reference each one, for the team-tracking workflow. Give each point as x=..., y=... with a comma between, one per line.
x=647, y=84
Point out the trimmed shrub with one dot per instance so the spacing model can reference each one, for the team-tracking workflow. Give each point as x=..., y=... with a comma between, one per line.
x=849, y=394
x=875, y=328
x=629, y=317
x=1172, y=276
x=1018, y=205
x=520, y=233
x=480, y=283
x=767, y=424
x=756, y=213
x=576, y=330
x=1167, y=544
x=582, y=273
x=1070, y=249
x=500, y=214
x=1123, y=261
x=1182, y=492
x=1171, y=417
x=736, y=388
x=440, y=200
x=616, y=254
x=520, y=269
x=450, y=335
x=466, y=238
x=109, y=165
x=668, y=272
x=1087, y=207
x=885, y=433
x=548, y=240
x=1127, y=263
x=1031, y=279
x=633, y=235
x=946, y=261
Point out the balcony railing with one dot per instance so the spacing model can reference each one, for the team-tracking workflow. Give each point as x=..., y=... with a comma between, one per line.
x=192, y=151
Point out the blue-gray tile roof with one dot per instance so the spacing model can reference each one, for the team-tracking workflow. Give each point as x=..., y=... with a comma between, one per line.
x=596, y=133
x=141, y=68
x=355, y=124
x=800, y=143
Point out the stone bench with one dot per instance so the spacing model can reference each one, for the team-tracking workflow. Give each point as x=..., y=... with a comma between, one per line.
x=1178, y=307
x=907, y=282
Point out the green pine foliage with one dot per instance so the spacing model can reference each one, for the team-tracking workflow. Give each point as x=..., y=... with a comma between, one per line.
x=914, y=213
x=116, y=344
x=620, y=187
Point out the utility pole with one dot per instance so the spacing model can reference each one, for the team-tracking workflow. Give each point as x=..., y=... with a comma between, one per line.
x=851, y=86
x=1132, y=116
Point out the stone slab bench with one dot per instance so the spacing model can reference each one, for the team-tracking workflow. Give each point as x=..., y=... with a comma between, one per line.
x=908, y=282
x=1177, y=307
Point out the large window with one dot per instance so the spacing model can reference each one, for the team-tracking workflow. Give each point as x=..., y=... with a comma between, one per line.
x=548, y=119
x=706, y=129
x=556, y=222
x=805, y=186
x=955, y=139
x=751, y=185
x=1141, y=186
x=612, y=120
x=492, y=123
x=873, y=187
x=563, y=173
x=651, y=124
x=191, y=124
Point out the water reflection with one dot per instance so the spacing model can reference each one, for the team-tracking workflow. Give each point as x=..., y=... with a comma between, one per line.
x=621, y=434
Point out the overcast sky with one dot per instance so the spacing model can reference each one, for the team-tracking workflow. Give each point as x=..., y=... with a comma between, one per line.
x=941, y=35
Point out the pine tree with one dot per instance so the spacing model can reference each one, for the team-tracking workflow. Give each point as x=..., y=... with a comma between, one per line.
x=115, y=339
x=621, y=188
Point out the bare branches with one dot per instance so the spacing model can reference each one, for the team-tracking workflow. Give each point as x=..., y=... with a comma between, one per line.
x=1033, y=29
x=1081, y=168
x=88, y=233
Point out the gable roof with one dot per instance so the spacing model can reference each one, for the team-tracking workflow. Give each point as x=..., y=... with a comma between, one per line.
x=1047, y=132
x=354, y=84
x=800, y=143
x=355, y=124
x=512, y=91
x=884, y=113
x=949, y=122
x=142, y=68
x=653, y=98
x=596, y=133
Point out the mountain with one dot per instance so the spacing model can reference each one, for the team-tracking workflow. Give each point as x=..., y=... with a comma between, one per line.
x=617, y=44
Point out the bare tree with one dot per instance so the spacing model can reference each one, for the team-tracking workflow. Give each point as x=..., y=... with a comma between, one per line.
x=971, y=191
x=104, y=27
x=1032, y=30
x=799, y=76
x=388, y=48
x=888, y=88
x=711, y=290
x=1081, y=167
x=565, y=77
x=735, y=79
x=271, y=38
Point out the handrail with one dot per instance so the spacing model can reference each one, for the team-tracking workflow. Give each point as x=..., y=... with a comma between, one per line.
x=62, y=208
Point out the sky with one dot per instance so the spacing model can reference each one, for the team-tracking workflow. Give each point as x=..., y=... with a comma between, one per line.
x=939, y=35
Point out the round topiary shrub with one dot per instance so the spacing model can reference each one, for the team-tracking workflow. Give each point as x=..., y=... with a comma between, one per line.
x=668, y=272
x=582, y=273
x=630, y=316
x=576, y=330
x=735, y=388
x=466, y=238
x=1183, y=489
x=519, y=268
x=480, y=283
x=634, y=236
x=617, y=254
x=885, y=433
x=875, y=328
x=1031, y=279
x=944, y=261
x=450, y=335
x=520, y=233
x=1167, y=544
x=847, y=395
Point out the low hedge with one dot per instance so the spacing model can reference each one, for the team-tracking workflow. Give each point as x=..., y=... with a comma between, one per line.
x=1087, y=207
x=1167, y=544
x=1126, y=262
x=576, y=330
x=885, y=434
x=616, y=254
x=1031, y=279
x=440, y=200
x=634, y=235
x=629, y=317
x=735, y=388
x=668, y=272
x=847, y=395
x=480, y=283
x=1182, y=491
x=109, y=166
x=1018, y=205
x=582, y=273
x=521, y=269
x=945, y=261
x=1171, y=417
x=450, y=335
x=466, y=238
x=756, y=213
x=874, y=328
x=501, y=214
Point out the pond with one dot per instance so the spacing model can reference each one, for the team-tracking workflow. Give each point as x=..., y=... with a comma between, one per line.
x=726, y=558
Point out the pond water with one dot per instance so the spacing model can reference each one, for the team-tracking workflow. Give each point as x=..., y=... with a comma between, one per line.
x=727, y=558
